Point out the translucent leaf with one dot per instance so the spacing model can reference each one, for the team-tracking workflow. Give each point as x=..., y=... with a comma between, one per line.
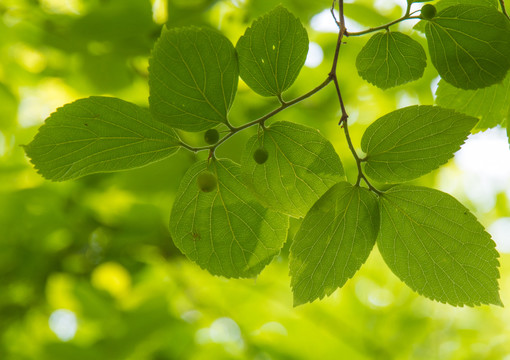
x=443, y=4
x=272, y=52
x=390, y=59
x=99, y=134
x=193, y=78
x=491, y=104
x=437, y=247
x=225, y=230
x=469, y=45
x=301, y=165
x=412, y=141
x=334, y=240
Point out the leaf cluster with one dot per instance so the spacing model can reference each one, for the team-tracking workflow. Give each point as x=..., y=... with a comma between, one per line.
x=232, y=219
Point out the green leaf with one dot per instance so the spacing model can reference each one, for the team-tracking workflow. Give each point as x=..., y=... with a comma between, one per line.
x=225, y=230
x=469, y=45
x=272, y=52
x=491, y=104
x=301, y=165
x=437, y=247
x=390, y=59
x=99, y=134
x=412, y=141
x=193, y=78
x=334, y=240
x=443, y=4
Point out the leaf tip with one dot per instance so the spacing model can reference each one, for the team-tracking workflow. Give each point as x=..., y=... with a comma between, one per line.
x=298, y=301
x=498, y=302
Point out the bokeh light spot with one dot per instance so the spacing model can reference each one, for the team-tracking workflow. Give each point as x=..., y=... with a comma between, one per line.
x=224, y=330
x=500, y=231
x=315, y=55
x=324, y=22
x=64, y=324
x=112, y=278
x=273, y=327
x=480, y=160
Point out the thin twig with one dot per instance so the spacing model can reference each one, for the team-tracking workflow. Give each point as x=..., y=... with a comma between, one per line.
x=194, y=149
x=406, y=16
x=503, y=9
x=332, y=77
x=284, y=105
x=382, y=27
x=333, y=13
x=343, y=120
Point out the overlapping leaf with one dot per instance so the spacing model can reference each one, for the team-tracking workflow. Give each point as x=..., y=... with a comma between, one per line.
x=193, y=78
x=491, y=104
x=437, y=247
x=272, y=52
x=334, y=240
x=226, y=230
x=469, y=45
x=300, y=167
x=99, y=134
x=390, y=59
x=443, y=4
x=412, y=141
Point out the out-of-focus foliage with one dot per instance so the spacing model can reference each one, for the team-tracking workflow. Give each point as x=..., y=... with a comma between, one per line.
x=87, y=267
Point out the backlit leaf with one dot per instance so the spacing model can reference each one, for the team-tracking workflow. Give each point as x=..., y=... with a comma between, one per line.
x=225, y=230
x=491, y=104
x=443, y=4
x=390, y=59
x=412, y=141
x=437, y=247
x=301, y=165
x=334, y=240
x=193, y=78
x=99, y=134
x=272, y=52
x=469, y=45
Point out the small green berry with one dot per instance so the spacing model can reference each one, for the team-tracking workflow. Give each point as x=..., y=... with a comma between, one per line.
x=260, y=155
x=211, y=136
x=428, y=11
x=207, y=181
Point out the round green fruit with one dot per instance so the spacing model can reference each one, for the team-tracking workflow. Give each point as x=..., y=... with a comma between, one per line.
x=207, y=181
x=211, y=136
x=428, y=11
x=260, y=155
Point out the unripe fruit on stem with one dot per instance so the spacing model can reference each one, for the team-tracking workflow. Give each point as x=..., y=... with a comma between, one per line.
x=207, y=181
x=428, y=11
x=211, y=136
x=260, y=155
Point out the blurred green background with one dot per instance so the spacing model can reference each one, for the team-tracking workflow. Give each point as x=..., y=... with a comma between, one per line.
x=88, y=269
